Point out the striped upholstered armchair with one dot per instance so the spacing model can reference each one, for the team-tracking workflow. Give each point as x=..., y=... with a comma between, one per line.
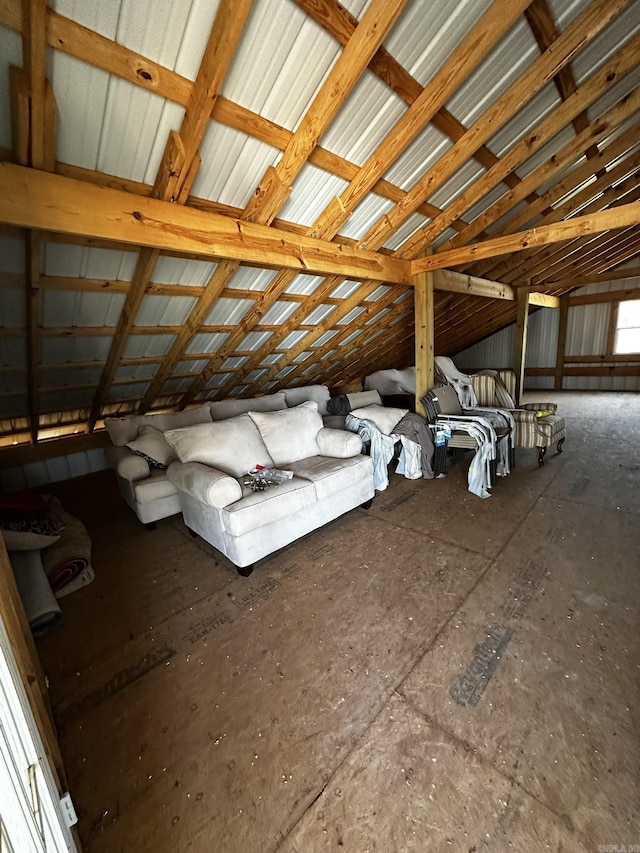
x=537, y=424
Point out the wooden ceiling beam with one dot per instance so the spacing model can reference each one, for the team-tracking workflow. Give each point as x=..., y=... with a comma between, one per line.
x=338, y=21
x=578, y=226
x=32, y=199
x=275, y=186
x=569, y=153
x=582, y=30
x=178, y=169
x=547, y=129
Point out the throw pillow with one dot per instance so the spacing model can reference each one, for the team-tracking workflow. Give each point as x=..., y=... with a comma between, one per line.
x=233, y=446
x=152, y=446
x=290, y=435
x=383, y=417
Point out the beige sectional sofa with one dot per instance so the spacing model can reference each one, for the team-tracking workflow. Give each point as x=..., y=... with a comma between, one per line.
x=159, y=478
x=140, y=457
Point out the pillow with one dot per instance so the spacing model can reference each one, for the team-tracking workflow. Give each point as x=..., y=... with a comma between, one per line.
x=233, y=446
x=153, y=447
x=290, y=435
x=122, y=430
x=318, y=393
x=383, y=417
x=224, y=409
x=26, y=540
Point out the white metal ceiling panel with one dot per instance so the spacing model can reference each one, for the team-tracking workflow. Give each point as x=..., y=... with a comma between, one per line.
x=228, y=312
x=70, y=376
x=12, y=352
x=304, y=285
x=425, y=35
x=180, y=271
x=139, y=346
x=233, y=165
x=250, y=278
x=13, y=312
x=61, y=259
x=313, y=189
x=457, y=184
x=608, y=42
x=207, y=343
x=280, y=42
x=344, y=290
x=136, y=371
x=254, y=341
x=157, y=310
x=366, y=117
x=416, y=160
x=278, y=313
x=12, y=254
x=68, y=308
x=191, y=365
x=77, y=348
x=527, y=117
x=366, y=214
x=499, y=70
x=351, y=316
x=408, y=228
x=319, y=314
x=10, y=54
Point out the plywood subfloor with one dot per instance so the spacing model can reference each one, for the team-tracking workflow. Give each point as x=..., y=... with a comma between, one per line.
x=438, y=673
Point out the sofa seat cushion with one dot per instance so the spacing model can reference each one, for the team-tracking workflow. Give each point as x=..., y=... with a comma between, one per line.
x=154, y=487
x=273, y=505
x=550, y=425
x=233, y=446
x=331, y=476
x=290, y=434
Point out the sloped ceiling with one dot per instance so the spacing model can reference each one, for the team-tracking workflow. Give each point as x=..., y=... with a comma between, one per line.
x=202, y=200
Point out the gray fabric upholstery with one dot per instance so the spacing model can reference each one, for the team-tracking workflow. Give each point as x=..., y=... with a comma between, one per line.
x=126, y=464
x=268, y=507
x=338, y=443
x=318, y=393
x=205, y=484
x=223, y=409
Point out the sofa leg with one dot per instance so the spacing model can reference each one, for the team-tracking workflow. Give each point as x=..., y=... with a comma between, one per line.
x=541, y=453
x=244, y=571
x=367, y=504
x=151, y=526
x=560, y=443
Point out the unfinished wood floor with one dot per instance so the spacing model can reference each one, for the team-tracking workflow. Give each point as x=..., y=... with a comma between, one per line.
x=438, y=673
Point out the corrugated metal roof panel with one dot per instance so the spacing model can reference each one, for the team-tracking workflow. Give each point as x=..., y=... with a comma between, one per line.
x=278, y=313
x=72, y=399
x=13, y=405
x=61, y=259
x=378, y=293
x=13, y=311
x=250, y=278
x=323, y=339
x=233, y=165
x=12, y=254
x=498, y=71
x=156, y=310
x=10, y=54
x=234, y=363
x=312, y=191
x=428, y=146
x=191, y=365
x=254, y=340
x=180, y=271
x=457, y=184
x=422, y=50
x=279, y=42
x=608, y=42
x=12, y=352
x=527, y=117
x=351, y=316
x=77, y=348
x=219, y=379
x=292, y=340
x=366, y=214
x=135, y=371
x=133, y=391
x=543, y=154
x=173, y=386
x=228, y=312
x=377, y=317
x=408, y=228
x=366, y=117
x=272, y=359
x=344, y=290
x=67, y=308
x=139, y=346
x=319, y=314
x=206, y=342
x=304, y=285
x=70, y=376
x=13, y=381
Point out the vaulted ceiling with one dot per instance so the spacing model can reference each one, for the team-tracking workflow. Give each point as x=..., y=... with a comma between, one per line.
x=210, y=199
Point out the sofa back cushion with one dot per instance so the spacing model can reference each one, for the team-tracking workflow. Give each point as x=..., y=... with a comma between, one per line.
x=123, y=430
x=318, y=393
x=153, y=447
x=224, y=409
x=290, y=434
x=233, y=446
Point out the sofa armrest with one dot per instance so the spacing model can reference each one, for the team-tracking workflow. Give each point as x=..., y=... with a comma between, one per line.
x=551, y=408
x=128, y=465
x=205, y=484
x=338, y=443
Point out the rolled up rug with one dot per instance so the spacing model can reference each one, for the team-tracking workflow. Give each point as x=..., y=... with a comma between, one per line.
x=68, y=559
x=40, y=605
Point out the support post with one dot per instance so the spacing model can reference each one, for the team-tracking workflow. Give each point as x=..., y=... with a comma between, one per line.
x=424, y=335
x=520, y=342
x=562, y=342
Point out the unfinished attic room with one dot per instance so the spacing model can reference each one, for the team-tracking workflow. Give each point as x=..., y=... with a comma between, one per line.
x=411, y=229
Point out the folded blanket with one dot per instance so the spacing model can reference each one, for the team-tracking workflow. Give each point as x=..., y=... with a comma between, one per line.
x=40, y=605
x=70, y=557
